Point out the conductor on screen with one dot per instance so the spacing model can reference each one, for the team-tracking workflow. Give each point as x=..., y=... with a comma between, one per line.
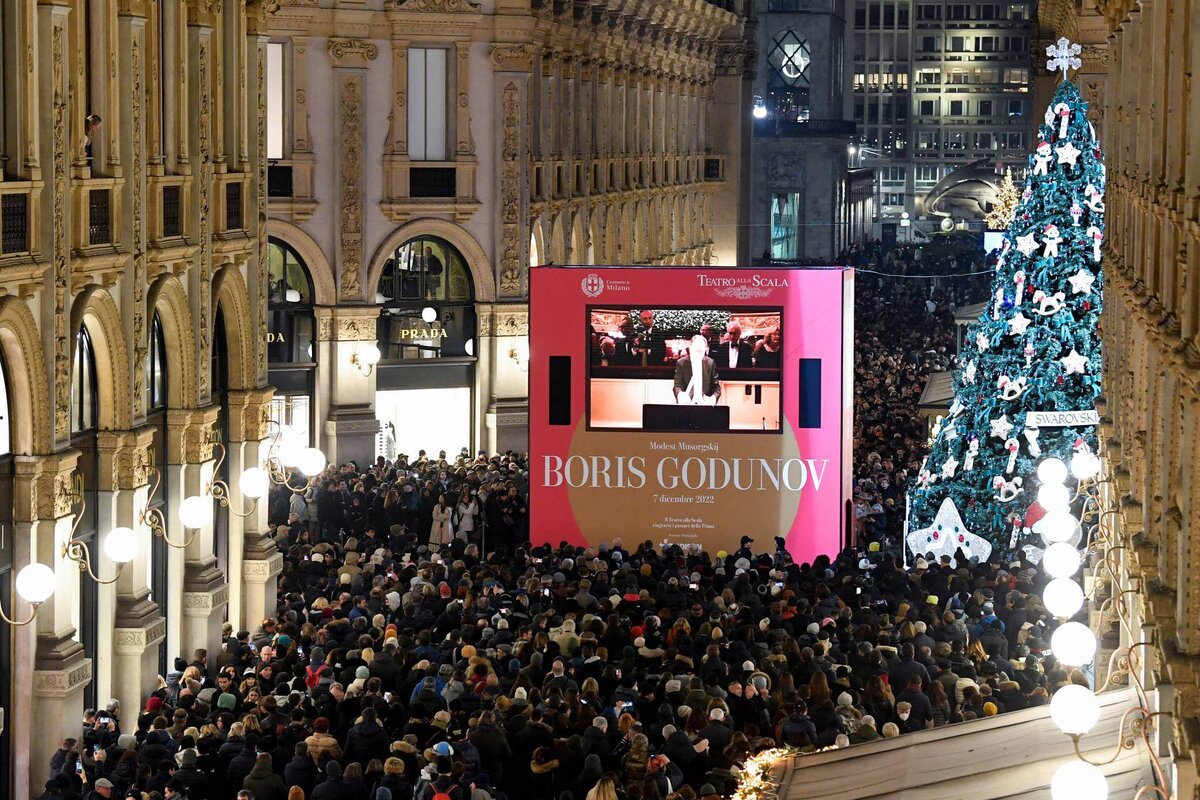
x=696, y=376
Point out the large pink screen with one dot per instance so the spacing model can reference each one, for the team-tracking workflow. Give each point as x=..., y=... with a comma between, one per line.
x=690, y=405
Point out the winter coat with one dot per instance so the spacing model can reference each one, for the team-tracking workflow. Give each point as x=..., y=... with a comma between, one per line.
x=367, y=740
x=265, y=784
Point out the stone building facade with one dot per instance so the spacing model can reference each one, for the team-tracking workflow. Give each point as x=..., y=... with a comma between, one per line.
x=427, y=153
x=1135, y=61
x=132, y=348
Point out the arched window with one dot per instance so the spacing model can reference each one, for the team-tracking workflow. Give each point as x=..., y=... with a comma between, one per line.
x=156, y=363
x=85, y=409
x=427, y=297
x=83, y=384
x=291, y=324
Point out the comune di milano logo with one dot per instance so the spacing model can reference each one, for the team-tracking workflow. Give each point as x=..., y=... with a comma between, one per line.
x=592, y=285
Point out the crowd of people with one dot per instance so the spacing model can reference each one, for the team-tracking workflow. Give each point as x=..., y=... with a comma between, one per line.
x=904, y=333
x=423, y=650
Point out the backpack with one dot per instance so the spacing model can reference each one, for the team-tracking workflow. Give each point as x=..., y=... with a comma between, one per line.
x=312, y=677
x=441, y=796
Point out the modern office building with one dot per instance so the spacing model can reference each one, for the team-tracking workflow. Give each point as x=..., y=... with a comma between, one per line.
x=939, y=86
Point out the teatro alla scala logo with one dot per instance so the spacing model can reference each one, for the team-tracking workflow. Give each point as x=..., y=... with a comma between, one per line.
x=592, y=285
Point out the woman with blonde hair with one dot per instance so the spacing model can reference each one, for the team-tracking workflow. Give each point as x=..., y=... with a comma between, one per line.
x=605, y=788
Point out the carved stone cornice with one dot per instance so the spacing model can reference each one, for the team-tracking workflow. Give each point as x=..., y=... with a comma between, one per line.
x=514, y=56
x=348, y=324
x=249, y=414
x=352, y=53
x=190, y=435
x=435, y=6
x=42, y=486
x=125, y=458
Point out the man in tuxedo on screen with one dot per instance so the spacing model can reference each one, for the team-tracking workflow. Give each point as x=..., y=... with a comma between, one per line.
x=626, y=347
x=651, y=346
x=733, y=353
x=696, y=376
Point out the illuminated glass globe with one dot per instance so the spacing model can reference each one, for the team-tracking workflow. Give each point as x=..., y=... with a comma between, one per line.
x=1061, y=560
x=1063, y=597
x=35, y=583
x=196, y=512
x=1052, y=470
x=1073, y=644
x=255, y=482
x=1058, y=526
x=1085, y=465
x=311, y=462
x=1053, y=497
x=1075, y=709
x=1078, y=780
x=121, y=545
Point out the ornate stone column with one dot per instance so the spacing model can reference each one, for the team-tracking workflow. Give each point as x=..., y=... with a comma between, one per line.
x=350, y=426
x=252, y=598
x=122, y=495
x=43, y=514
x=198, y=613
x=511, y=82
x=507, y=417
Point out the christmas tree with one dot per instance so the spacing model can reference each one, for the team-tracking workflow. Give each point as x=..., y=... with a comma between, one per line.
x=1034, y=349
x=1008, y=197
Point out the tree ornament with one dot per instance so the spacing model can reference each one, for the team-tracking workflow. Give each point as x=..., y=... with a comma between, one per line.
x=1068, y=154
x=1076, y=213
x=1064, y=117
x=1081, y=282
x=950, y=432
x=998, y=302
x=1019, y=280
x=1093, y=199
x=981, y=342
x=1051, y=238
x=1042, y=159
x=972, y=452
x=1013, y=447
x=1006, y=490
x=949, y=467
x=1027, y=244
x=1018, y=324
x=1029, y=352
x=1097, y=239
x=1064, y=56
x=1031, y=438
x=969, y=371
x=1001, y=427
x=1074, y=362
x=946, y=534
x=1048, y=306
x=1011, y=388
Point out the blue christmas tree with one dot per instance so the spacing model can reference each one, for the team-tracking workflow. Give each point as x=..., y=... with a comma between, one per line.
x=1034, y=349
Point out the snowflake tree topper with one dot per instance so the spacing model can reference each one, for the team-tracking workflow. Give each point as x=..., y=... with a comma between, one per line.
x=1064, y=56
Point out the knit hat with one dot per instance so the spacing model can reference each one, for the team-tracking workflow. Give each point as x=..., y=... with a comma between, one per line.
x=989, y=709
x=443, y=749
x=126, y=741
x=226, y=702
x=844, y=699
x=362, y=672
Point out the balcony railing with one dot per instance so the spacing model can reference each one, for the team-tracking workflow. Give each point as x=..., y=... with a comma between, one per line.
x=99, y=217
x=172, y=219
x=233, y=206
x=14, y=223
